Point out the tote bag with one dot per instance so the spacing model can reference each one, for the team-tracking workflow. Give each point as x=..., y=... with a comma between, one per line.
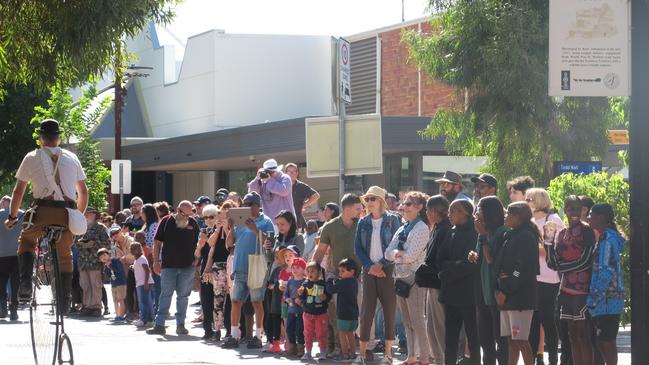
x=257, y=266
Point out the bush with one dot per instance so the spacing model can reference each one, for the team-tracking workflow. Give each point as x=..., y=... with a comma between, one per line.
x=602, y=188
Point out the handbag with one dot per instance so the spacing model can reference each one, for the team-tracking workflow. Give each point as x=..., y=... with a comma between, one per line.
x=402, y=286
x=257, y=266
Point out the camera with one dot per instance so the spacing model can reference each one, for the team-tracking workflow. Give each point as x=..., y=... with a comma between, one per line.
x=263, y=174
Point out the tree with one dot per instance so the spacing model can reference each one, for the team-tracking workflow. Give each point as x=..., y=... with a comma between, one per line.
x=48, y=41
x=602, y=188
x=77, y=120
x=16, y=112
x=495, y=53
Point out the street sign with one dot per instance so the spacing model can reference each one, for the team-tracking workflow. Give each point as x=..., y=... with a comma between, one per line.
x=589, y=53
x=618, y=136
x=120, y=176
x=576, y=167
x=345, y=87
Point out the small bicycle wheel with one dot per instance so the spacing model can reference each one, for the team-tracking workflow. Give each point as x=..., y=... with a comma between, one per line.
x=43, y=322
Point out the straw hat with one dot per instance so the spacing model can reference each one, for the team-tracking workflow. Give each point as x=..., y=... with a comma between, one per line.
x=377, y=192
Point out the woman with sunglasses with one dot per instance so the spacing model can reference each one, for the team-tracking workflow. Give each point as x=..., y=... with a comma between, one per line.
x=207, y=253
x=373, y=235
x=408, y=251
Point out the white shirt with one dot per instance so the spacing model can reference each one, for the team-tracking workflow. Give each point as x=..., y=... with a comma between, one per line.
x=139, y=271
x=415, y=250
x=548, y=275
x=376, y=251
x=37, y=166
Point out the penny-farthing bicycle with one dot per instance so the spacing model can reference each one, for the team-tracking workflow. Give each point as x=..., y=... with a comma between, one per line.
x=50, y=344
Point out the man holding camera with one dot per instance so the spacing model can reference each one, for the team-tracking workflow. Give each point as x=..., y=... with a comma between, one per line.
x=275, y=189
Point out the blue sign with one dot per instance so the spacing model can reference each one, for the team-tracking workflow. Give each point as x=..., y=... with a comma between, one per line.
x=577, y=167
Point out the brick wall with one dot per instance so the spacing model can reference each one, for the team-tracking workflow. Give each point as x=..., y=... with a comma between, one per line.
x=399, y=80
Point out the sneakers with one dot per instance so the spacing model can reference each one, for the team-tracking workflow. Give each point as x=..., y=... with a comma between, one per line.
x=539, y=359
x=230, y=342
x=379, y=348
x=181, y=330
x=3, y=310
x=345, y=358
x=106, y=311
x=208, y=336
x=139, y=323
x=322, y=356
x=273, y=348
x=254, y=343
x=360, y=360
x=13, y=316
x=386, y=360
x=306, y=357
x=157, y=330
x=118, y=319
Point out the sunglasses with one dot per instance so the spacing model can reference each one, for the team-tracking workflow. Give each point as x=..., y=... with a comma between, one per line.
x=370, y=198
x=408, y=203
x=209, y=217
x=529, y=200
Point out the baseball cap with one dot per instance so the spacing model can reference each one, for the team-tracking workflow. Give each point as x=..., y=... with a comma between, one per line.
x=49, y=127
x=203, y=200
x=485, y=178
x=252, y=198
x=299, y=262
x=450, y=177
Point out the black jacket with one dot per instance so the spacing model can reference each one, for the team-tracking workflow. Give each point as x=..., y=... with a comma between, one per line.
x=457, y=274
x=426, y=275
x=518, y=262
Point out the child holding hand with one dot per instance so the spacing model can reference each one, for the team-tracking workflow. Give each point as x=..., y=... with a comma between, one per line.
x=315, y=301
x=294, y=324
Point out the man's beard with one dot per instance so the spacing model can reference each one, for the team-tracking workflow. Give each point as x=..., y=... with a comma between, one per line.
x=181, y=222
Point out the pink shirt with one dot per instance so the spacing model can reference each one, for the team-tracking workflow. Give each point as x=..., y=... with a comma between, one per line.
x=548, y=275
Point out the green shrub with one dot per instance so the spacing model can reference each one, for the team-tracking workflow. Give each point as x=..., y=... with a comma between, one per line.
x=602, y=188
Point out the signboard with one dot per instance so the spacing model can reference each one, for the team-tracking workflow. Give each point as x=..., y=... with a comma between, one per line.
x=323, y=145
x=618, y=136
x=589, y=48
x=577, y=167
x=120, y=176
x=345, y=87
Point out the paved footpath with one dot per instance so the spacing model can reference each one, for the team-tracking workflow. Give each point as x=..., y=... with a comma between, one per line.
x=98, y=342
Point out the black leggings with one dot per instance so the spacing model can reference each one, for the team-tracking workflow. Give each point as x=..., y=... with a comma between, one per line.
x=455, y=317
x=207, y=305
x=274, y=326
x=489, y=335
x=547, y=297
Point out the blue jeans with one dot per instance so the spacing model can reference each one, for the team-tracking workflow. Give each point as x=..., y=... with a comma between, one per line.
x=145, y=303
x=155, y=291
x=378, y=325
x=295, y=328
x=178, y=280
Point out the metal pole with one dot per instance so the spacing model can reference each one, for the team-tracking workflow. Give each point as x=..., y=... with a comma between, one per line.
x=121, y=186
x=639, y=181
x=341, y=131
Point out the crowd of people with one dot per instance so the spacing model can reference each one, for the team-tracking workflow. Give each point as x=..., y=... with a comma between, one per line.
x=445, y=278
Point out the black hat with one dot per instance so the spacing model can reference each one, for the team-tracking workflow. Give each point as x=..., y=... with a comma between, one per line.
x=49, y=127
x=203, y=200
x=252, y=198
x=487, y=179
x=451, y=177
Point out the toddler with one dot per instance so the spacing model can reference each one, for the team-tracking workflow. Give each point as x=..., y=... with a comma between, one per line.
x=315, y=301
x=117, y=281
x=294, y=324
x=346, y=289
x=143, y=280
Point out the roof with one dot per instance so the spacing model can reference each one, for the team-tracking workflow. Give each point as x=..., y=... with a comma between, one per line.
x=243, y=147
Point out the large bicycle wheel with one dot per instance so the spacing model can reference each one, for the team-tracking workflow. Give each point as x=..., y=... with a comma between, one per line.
x=43, y=321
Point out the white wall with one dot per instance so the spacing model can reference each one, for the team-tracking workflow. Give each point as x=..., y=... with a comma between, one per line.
x=234, y=80
x=191, y=185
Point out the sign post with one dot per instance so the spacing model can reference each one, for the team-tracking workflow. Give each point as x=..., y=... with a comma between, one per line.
x=344, y=96
x=120, y=179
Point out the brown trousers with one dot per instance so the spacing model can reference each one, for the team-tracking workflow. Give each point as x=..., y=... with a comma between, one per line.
x=49, y=216
x=381, y=289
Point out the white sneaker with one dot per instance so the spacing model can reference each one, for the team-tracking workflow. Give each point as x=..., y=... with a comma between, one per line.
x=306, y=357
x=139, y=323
x=322, y=356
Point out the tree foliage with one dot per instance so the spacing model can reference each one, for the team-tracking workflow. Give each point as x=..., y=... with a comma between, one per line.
x=48, y=41
x=16, y=112
x=495, y=53
x=602, y=188
x=77, y=120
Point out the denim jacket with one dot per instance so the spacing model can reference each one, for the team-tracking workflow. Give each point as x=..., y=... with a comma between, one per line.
x=389, y=226
x=606, y=289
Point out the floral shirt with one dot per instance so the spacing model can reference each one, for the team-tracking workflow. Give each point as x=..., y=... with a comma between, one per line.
x=88, y=245
x=572, y=256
